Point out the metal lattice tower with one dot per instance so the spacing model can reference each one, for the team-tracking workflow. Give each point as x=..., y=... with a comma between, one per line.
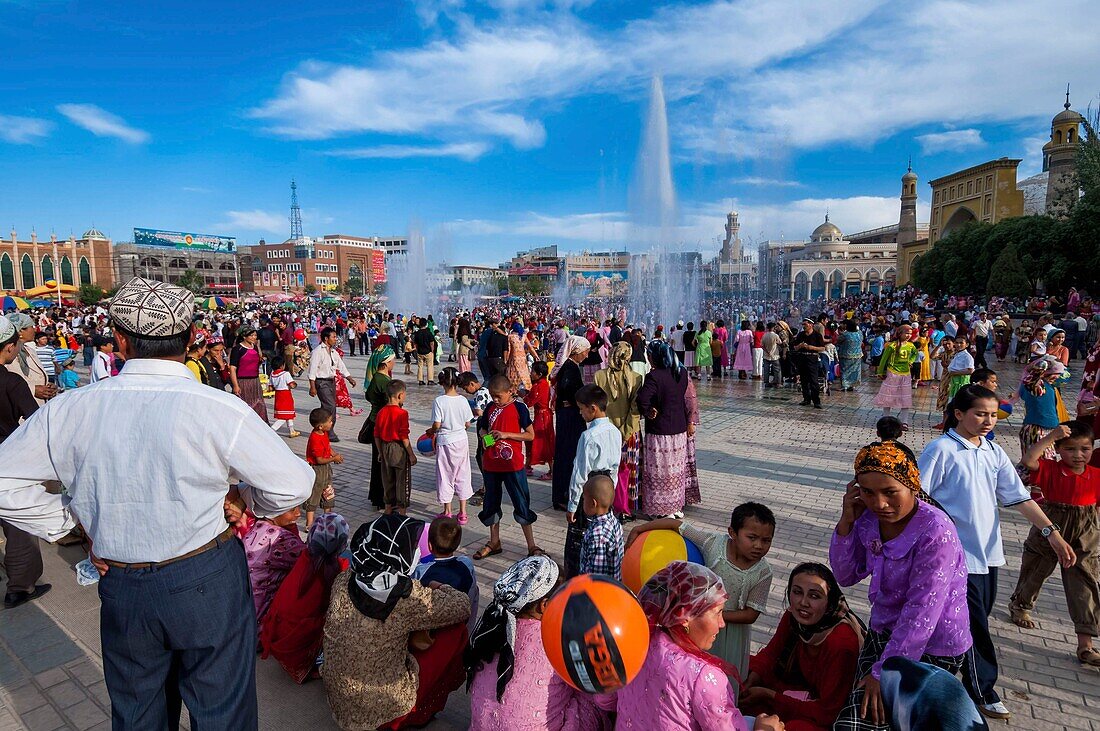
x=295, y=213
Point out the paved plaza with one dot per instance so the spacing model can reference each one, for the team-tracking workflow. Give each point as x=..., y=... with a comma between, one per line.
x=752, y=444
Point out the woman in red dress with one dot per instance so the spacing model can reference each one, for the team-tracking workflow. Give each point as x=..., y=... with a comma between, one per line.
x=541, y=450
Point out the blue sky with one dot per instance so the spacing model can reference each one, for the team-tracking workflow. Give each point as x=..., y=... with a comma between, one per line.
x=504, y=124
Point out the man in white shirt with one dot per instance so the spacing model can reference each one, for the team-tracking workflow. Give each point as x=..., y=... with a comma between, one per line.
x=153, y=492
x=982, y=328
x=324, y=364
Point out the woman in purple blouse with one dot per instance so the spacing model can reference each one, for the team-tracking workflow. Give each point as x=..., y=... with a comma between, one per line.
x=891, y=532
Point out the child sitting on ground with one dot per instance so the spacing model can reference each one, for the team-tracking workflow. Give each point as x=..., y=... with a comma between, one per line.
x=1071, y=488
x=319, y=454
x=444, y=538
x=282, y=382
x=293, y=627
x=451, y=417
x=271, y=548
x=502, y=429
x=602, y=551
x=738, y=558
x=599, y=449
x=391, y=439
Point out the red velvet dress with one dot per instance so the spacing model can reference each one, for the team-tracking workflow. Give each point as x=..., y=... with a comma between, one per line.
x=538, y=400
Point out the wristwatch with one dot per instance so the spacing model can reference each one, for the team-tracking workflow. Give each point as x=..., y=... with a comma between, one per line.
x=1045, y=532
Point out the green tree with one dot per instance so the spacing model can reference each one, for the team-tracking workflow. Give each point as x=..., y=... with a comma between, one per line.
x=1007, y=277
x=310, y=289
x=90, y=294
x=455, y=285
x=538, y=287
x=354, y=286
x=1088, y=154
x=192, y=280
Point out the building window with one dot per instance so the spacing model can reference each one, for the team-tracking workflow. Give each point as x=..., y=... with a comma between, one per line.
x=203, y=264
x=988, y=182
x=177, y=263
x=970, y=188
x=225, y=266
x=47, y=268
x=7, y=273
x=27, y=267
x=85, y=271
x=67, y=271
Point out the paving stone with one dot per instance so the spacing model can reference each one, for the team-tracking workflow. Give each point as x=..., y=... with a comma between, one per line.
x=26, y=698
x=66, y=694
x=85, y=671
x=85, y=715
x=43, y=719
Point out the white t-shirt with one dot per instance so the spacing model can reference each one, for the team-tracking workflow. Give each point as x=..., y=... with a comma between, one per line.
x=452, y=413
x=962, y=361
x=101, y=367
x=281, y=381
x=676, y=340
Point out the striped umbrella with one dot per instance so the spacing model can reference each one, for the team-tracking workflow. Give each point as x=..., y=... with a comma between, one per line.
x=13, y=303
x=212, y=303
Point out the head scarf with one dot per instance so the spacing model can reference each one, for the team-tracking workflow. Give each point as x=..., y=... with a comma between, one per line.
x=619, y=373
x=380, y=355
x=383, y=555
x=327, y=539
x=662, y=356
x=677, y=594
x=527, y=581
x=21, y=321
x=836, y=612
x=891, y=459
x=574, y=344
x=1054, y=331
x=1036, y=372
x=7, y=329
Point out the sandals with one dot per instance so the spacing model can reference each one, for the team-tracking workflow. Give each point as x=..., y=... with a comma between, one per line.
x=536, y=551
x=1089, y=656
x=1022, y=618
x=486, y=551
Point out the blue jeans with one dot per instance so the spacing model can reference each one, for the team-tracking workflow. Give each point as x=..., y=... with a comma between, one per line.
x=89, y=356
x=181, y=632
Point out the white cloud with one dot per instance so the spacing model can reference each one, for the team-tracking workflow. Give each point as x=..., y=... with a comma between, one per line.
x=102, y=123
x=23, y=130
x=255, y=220
x=956, y=140
x=195, y=189
x=463, y=150
x=767, y=182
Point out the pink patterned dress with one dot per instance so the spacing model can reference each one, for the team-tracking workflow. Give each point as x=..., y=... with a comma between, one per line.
x=271, y=553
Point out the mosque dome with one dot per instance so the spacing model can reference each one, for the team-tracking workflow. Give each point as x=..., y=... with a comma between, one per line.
x=910, y=175
x=93, y=233
x=826, y=233
x=1068, y=115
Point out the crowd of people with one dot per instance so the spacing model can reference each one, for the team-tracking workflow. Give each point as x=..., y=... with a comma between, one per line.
x=387, y=615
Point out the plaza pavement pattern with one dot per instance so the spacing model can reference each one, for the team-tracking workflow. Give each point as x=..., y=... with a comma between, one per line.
x=752, y=445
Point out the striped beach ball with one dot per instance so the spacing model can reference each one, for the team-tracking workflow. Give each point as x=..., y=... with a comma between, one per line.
x=651, y=552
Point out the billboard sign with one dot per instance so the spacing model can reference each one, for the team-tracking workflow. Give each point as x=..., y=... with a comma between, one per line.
x=377, y=269
x=184, y=240
x=529, y=271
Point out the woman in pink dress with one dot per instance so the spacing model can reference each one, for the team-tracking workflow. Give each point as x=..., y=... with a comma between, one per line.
x=681, y=686
x=742, y=362
x=512, y=684
x=271, y=548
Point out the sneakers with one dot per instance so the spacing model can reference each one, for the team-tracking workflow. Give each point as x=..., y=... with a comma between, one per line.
x=996, y=711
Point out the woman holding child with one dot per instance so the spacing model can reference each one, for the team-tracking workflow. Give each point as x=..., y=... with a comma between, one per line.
x=372, y=678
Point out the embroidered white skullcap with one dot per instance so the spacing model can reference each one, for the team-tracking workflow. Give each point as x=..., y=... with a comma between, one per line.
x=7, y=329
x=152, y=309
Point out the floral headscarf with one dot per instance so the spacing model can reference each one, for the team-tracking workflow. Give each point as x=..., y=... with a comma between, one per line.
x=677, y=594
x=891, y=459
x=384, y=553
x=327, y=539
x=527, y=581
x=618, y=370
x=1034, y=379
x=662, y=356
x=574, y=344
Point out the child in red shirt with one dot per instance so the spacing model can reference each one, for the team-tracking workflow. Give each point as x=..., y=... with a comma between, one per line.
x=1071, y=487
x=319, y=454
x=503, y=429
x=391, y=439
x=541, y=449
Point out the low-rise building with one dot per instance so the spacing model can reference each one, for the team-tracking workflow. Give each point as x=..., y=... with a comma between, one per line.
x=73, y=261
x=325, y=263
x=476, y=276
x=541, y=263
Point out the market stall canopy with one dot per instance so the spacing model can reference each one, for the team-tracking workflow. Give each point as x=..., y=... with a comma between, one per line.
x=51, y=287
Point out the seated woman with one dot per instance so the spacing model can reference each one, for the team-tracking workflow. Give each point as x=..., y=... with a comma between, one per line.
x=372, y=679
x=805, y=673
x=271, y=546
x=510, y=680
x=891, y=532
x=293, y=627
x=681, y=685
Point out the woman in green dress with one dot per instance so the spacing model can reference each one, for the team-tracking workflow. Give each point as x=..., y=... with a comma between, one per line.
x=703, y=355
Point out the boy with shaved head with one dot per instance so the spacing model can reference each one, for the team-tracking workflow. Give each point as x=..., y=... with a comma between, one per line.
x=602, y=550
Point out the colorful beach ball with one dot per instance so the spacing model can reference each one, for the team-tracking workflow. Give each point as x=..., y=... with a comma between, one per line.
x=595, y=634
x=652, y=551
x=426, y=444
